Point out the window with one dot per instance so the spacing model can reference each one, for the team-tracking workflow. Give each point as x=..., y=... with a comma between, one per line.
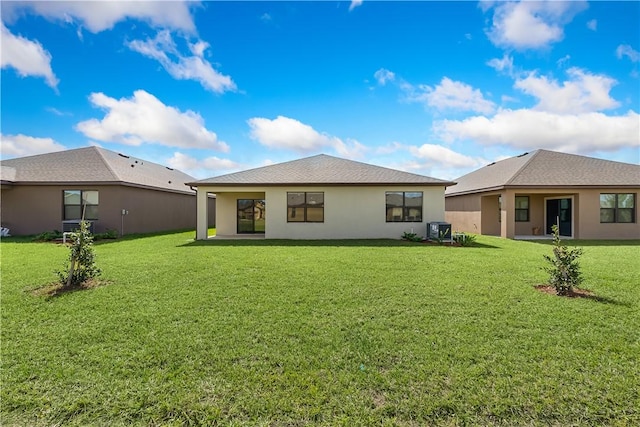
x=305, y=207
x=618, y=207
x=77, y=202
x=522, y=208
x=404, y=206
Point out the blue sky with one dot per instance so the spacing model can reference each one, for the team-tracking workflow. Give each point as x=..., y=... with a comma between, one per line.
x=436, y=88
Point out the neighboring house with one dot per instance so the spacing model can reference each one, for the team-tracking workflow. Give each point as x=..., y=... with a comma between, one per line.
x=116, y=192
x=321, y=197
x=526, y=195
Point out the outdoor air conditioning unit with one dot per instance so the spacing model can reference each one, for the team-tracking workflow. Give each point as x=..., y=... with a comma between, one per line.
x=74, y=224
x=439, y=231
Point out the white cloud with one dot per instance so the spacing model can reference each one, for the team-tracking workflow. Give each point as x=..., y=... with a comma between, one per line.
x=628, y=51
x=98, y=16
x=206, y=167
x=163, y=49
x=266, y=17
x=584, y=92
x=560, y=62
x=383, y=76
x=502, y=65
x=507, y=98
x=22, y=145
x=592, y=25
x=354, y=4
x=438, y=155
x=390, y=148
x=531, y=24
x=530, y=129
x=290, y=134
x=27, y=57
x=450, y=94
x=57, y=112
x=145, y=119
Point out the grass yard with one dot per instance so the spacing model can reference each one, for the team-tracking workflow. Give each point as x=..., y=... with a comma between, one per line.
x=352, y=333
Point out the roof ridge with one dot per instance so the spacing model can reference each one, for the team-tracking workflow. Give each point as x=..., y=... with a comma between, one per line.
x=523, y=167
x=106, y=162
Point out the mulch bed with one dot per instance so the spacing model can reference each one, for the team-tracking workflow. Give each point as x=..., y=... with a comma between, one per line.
x=576, y=293
x=55, y=289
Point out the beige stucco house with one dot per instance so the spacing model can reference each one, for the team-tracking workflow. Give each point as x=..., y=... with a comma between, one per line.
x=321, y=197
x=524, y=196
x=116, y=192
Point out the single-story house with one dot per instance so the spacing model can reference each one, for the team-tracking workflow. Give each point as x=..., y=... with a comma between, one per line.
x=321, y=197
x=117, y=192
x=525, y=195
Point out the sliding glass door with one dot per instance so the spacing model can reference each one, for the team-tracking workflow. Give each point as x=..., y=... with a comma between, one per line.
x=251, y=216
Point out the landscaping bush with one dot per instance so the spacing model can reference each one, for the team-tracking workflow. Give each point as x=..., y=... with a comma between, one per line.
x=464, y=239
x=109, y=234
x=82, y=266
x=564, y=273
x=48, y=236
x=412, y=237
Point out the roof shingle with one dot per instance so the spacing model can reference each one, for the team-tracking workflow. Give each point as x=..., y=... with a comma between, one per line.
x=92, y=165
x=544, y=168
x=321, y=169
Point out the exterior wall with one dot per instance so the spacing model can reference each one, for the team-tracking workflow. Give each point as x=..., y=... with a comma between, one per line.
x=227, y=210
x=150, y=211
x=491, y=215
x=589, y=217
x=462, y=212
x=34, y=209
x=537, y=213
x=350, y=212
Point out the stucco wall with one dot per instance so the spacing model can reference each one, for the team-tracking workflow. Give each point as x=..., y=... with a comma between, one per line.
x=589, y=217
x=227, y=210
x=463, y=212
x=29, y=210
x=350, y=212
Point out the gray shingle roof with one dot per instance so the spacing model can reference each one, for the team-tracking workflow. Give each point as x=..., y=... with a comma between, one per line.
x=321, y=170
x=92, y=165
x=544, y=168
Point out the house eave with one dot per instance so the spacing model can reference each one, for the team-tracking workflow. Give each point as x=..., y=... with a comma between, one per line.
x=96, y=183
x=541, y=187
x=321, y=184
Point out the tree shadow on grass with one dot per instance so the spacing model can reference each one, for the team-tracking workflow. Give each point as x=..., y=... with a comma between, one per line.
x=581, y=293
x=56, y=289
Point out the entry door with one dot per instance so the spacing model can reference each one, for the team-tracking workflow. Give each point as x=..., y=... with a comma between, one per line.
x=559, y=212
x=251, y=216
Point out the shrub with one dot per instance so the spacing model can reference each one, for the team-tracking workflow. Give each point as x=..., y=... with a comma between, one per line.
x=82, y=266
x=564, y=272
x=109, y=234
x=412, y=237
x=47, y=236
x=464, y=239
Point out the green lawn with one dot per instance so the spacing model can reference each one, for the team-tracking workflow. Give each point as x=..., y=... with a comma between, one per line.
x=353, y=333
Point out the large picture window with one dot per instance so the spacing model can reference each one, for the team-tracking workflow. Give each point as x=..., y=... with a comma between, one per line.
x=404, y=206
x=522, y=208
x=618, y=207
x=78, y=201
x=305, y=207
